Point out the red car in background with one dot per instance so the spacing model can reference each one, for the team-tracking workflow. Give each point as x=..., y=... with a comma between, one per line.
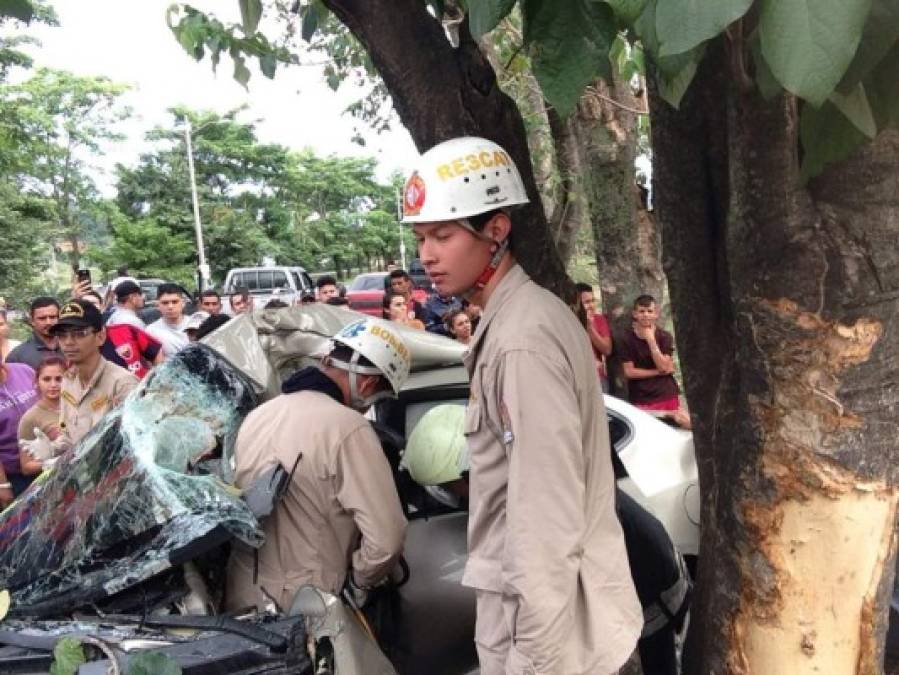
x=366, y=292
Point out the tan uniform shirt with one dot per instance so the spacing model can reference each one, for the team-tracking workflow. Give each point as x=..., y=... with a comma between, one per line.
x=81, y=407
x=341, y=488
x=546, y=551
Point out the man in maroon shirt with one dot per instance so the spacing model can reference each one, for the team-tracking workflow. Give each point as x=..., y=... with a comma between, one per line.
x=647, y=360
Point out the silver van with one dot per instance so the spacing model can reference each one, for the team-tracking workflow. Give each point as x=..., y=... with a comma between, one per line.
x=266, y=283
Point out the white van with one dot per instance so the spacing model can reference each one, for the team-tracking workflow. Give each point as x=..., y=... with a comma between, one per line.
x=266, y=283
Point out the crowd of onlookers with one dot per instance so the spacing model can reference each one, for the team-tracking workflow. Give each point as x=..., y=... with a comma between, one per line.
x=83, y=357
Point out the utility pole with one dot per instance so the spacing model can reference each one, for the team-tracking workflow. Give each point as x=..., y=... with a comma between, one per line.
x=399, y=222
x=202, y=266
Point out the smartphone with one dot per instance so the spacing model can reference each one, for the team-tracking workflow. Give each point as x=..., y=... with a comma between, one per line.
x=84, y=275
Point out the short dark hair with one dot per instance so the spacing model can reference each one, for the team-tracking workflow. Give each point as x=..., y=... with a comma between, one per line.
x=581, y=287
x=210, y=293
x=450, y=316
x=385, y=302
x=326, y=280
x=337, y=301
x=168, y=289
x=644, y=301
x=211, y=324
x=42, y=301
x=274, y=303
x=399, y=274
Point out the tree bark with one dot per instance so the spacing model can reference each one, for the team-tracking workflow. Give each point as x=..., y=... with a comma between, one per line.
x=785, y=302
x=441, y=92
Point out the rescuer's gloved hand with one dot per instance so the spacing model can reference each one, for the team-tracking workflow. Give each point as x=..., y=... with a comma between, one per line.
x=41, y=448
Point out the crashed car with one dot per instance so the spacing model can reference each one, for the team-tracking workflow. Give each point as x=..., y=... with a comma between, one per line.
x=121, y=544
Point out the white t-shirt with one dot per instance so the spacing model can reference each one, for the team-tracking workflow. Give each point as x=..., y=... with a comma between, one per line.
x=173, y=338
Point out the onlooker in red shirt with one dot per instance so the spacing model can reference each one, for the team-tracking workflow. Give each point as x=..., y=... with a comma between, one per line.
x=647, y=360
x=128, y=344
x=599, y=332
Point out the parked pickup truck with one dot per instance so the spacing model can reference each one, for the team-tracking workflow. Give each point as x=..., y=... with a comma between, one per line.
x=266, y=283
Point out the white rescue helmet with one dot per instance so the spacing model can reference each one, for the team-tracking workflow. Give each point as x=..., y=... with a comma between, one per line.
x=436, y=451
x=459, y=178
x=379, y=342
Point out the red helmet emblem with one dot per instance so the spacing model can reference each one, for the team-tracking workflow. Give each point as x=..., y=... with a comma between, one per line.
x=414, y=195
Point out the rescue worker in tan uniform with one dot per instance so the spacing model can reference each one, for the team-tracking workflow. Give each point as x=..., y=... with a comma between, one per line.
x=546, y=552
x=92, y=386
x=339, y=520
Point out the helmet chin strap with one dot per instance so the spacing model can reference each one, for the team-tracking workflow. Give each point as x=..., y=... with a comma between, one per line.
x=498, y=250
x=357, y=401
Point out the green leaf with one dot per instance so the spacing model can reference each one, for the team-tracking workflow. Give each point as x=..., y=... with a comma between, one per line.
x=883, y=94
x=485, y=15
x=250, y=13
x=152, y=663
x=881, y=32
x=241, y=72
x=827, y=137
x=768, y=85
x=809, y=45
x=684, y=24
x=626, y=11
x=675, y=72
x=22, y=10
x=569, y=45
x=856, y=109
x=268, y=64
x=311, y=19
x=68, y=654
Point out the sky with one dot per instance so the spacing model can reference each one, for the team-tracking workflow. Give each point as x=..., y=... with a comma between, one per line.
x=129, y=42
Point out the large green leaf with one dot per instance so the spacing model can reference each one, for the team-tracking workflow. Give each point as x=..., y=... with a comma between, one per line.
x=684, y=24
x=312, y=17
x=250, y=13
x=856, y=109
x=569, y=44
x=881, y=32
x=809, y=45
x=768, y=85
x=241, y=72
x=627, y=11
x=675, y=72
x=485, y=15
x=827, y=137
x=68, y=654
x=22, y=10
x=883, y=92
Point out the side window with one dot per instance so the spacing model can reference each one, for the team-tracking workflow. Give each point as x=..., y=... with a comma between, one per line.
x=265, y=280
x=297, y=282
x=250, y=280
x=307, y=282
x=279, y=279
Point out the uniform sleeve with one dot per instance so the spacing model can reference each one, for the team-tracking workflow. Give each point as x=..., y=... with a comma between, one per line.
x=366, y=489
x=122, y=388
x=544, y=510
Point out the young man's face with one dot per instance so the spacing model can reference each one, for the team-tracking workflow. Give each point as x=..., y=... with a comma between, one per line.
x=241, y=303
x=79, y=345
x=646, y=316
x=211, y=304
x=171, y=306
x=43, y=319
x=401, y=285
x=327, y=292
x=451, y=255
x=588, y=302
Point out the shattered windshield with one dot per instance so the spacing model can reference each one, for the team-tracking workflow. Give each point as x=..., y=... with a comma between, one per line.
x=120, y=507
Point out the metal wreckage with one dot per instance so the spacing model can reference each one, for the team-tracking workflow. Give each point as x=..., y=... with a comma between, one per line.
x=122, y=542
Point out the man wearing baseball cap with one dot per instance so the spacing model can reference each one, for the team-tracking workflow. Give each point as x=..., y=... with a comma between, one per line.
x=92, y=385
x=130, y=345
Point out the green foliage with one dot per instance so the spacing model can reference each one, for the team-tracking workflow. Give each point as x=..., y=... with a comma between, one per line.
x=627, y=11
x=880, y=33
x=485, y=15
x=828, y=136
x=152, y=663
x=809, y=45
x=685, y=24
x=68, y=654
x=22, y=10
x=569, y=46
x=199, y=33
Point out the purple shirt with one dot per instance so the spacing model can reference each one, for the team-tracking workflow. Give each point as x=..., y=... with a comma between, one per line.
x=17, y=394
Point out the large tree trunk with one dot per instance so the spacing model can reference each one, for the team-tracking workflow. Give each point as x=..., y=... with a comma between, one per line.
x=785, y=301
x=441, y=92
